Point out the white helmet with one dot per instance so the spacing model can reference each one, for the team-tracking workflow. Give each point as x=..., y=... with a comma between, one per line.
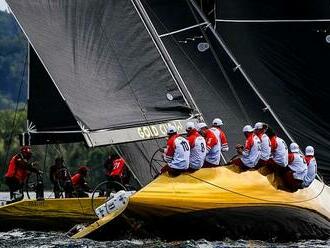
x=171, y=130
x=201, y=125
x=309, y=151
x=247, y=128
x=190, y=125
x=217, y=122
x=294, y=147
x=258, y=125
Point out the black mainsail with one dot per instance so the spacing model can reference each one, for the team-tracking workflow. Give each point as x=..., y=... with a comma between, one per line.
x=284, y=47
x=111, y=82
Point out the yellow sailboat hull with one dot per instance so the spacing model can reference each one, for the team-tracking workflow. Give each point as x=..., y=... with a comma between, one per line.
x=215, y=203
x=210, y=203
x=54, y=214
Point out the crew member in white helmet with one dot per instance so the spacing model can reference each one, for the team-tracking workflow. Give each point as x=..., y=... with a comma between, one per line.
x=220, y=134
x=250, y=153
x=197, y=147
x=212, y=146
x=311, y=166
x=176, y=153
x=297, y=168
x=260, y=129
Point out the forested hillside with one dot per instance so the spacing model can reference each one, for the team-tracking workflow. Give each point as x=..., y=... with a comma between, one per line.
x=13, y=51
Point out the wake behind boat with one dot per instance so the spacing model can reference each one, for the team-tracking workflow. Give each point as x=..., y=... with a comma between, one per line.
x=120, y=75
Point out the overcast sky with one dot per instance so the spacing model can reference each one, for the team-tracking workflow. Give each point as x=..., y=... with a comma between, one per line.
x=3, y=5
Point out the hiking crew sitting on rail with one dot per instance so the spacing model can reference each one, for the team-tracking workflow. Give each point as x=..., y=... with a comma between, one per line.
x=213, y=152
x=79, y=183
x=297, y=168
x=60, y=178
x=311, y=166
x=197, y=147
x=249, y=155
x=259, y=130
x=220, y=134
x=279, y=150
x=18, y=171
x=176, y=153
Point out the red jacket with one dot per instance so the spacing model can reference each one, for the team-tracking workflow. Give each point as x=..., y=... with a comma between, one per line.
x=16, y=170
x=118, y=167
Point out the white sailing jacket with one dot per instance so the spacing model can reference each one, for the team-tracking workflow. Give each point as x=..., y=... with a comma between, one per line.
x=265, y=147
x=177, y=152
x=252, y=151
x=311, y=171
x=197, y=150
x=298, y=165
x=279, y=151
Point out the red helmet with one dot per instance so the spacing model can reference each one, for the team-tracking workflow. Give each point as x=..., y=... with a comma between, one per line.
x=26, y=151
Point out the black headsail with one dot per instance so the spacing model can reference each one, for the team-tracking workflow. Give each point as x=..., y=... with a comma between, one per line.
x=102, y=74
x=211, y=76
x=284, y=47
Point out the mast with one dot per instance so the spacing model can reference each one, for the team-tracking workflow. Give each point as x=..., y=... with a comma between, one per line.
x=238, y=67
x=165, y=55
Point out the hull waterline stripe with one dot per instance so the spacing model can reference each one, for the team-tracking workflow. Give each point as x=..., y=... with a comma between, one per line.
x=183, y=29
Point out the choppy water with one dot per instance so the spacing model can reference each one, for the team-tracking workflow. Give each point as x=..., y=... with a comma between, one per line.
x=31, y=239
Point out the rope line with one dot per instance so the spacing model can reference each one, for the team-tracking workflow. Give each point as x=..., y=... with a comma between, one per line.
x=16, y=110
x=255, y=198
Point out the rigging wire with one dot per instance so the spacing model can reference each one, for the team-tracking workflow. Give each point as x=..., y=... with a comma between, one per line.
x=16, y=110
x=243, y=73
x=230, y=84
x=112, y=46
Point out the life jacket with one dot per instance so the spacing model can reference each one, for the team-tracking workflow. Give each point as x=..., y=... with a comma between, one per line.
x=118, y=167
x=197, y=149
x=279, y=151
x=252, y=151
x=16, y=171
x=222, y=138
x=213, y=149
x=298, y=165
x=177, y=152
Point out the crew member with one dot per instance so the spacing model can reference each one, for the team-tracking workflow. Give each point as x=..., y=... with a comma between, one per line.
x=79, y=182
x=197, y=147
x=249, y=155
x=176, y=153
x=259, y=130
x=279, y=150
x=220, y=134
x=60, y=178
x=213, y=153
x=117, y=172
x=298, y=168
x=18, y=171
x=311, y=166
